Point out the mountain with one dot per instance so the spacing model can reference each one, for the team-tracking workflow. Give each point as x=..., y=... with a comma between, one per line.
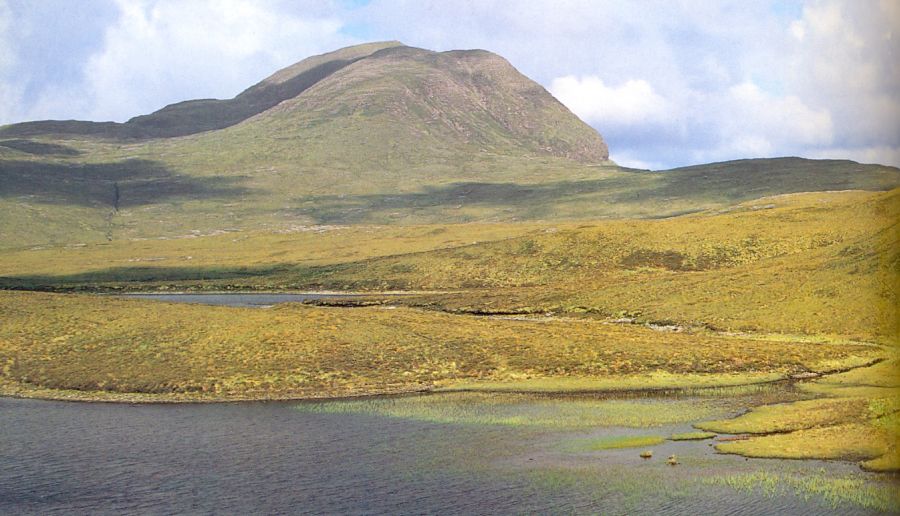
x=468, y=96
x=373, y=134
x=193, y=116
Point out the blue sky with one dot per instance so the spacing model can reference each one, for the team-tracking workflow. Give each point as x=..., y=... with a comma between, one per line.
x=667, y=83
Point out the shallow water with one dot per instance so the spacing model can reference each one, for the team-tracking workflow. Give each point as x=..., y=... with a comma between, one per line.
x=58, y=457
x=240, y=299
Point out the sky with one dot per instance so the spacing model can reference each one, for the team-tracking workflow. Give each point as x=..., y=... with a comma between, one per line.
x=667, y=83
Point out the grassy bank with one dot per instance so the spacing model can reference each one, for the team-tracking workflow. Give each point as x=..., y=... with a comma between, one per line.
x=857, y=419
x=110, y=345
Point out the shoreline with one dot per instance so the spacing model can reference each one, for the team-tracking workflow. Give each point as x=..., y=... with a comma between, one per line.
x=336, y=293
x=28, y=392
x=15, y=390
x=802, y=443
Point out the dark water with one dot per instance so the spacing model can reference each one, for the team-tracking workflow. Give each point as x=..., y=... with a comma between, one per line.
x=283, y=458
x=240, y=299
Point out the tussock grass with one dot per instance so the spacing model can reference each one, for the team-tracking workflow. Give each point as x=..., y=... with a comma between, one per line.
x=657, y=380
x=98, y=343
x=692, y=436
x=815, y=266
x=860, y=421
x=799, y=415
x=242, y=254
x=619, y=442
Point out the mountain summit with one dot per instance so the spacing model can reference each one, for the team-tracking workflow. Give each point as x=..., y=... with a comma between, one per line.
x=380, y=133
x=378, y=96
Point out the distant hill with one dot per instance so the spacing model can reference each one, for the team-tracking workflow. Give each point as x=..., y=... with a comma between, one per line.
x=470, y=96
x=194, y=116
x=822, y=262
x=372, y=134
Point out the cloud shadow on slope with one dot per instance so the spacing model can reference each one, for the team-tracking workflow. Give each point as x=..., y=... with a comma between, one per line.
x=121, y=185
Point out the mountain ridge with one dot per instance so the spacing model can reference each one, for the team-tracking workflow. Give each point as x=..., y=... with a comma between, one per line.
x=167, y=121
x=524, y=115
x=385, y=134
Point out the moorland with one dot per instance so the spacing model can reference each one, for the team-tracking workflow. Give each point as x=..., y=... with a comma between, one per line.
x=528, y=262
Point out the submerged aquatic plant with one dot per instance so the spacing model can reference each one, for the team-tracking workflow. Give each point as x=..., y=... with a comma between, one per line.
x=617, y=442
x=835, y=491
x=526, y=410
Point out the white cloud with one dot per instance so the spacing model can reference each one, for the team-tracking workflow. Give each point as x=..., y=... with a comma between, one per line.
x=784, y=120
x=7, y=57
x=848, y=63
x=823, y=77
x=664, y=82
x=634, y=102
x=798, y=29
x=626, y=159
x=882, y=155
x=162, y=51
x=167, y=51
x=10, y=98
x=11, y=92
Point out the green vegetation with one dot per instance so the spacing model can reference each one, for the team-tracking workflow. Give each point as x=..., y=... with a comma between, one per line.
x=836, y=491
x=238, y=257
x=523, y=410
x=799, y=415
x=692, y=436
x=162, y=197
x=657, y=380
x=858, y=421
x=615, y=443
x=377, y=134
x=531, y=263
x=779, y=270
x=784, y=269
x=98, y=343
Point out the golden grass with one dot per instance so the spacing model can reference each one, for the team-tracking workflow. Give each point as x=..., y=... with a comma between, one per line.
x=692, y=436
x=885, y=374
x=810, y=264
x=797, y=286
x=99, y=343
x=889, y=461
x=814, y=265
x=657, y=380
x=619, y=442
x=859, y=420
x=304, y=245
x=799, y=415
x=852, y=441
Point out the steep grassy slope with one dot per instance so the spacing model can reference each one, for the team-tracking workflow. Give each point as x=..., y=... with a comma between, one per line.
x=374, y=134
x=369, y=120
x=194, y=116
x=470, y=99
x=372, y=102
